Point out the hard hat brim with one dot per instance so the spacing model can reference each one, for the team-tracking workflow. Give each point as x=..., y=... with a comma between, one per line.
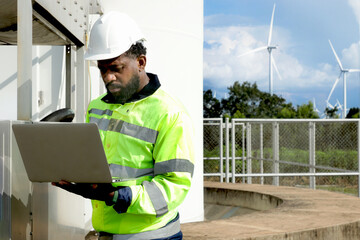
x=94, y=57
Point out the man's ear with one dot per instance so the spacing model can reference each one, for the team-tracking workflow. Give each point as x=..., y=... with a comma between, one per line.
x=141, y=62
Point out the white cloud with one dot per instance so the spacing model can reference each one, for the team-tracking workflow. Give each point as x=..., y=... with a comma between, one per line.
x=355, y=5
x=351, y=56
x=222, y=66
x=306, y=76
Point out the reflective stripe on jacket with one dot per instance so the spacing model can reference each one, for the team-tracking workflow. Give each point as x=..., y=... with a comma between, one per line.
x=148, y=144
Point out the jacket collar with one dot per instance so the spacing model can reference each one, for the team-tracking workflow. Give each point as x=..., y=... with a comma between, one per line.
x=148, y=90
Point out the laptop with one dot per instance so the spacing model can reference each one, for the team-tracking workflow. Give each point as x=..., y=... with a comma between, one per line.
x=62, y=151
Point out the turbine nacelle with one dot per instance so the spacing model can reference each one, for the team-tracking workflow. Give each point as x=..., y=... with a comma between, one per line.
x=270, y=48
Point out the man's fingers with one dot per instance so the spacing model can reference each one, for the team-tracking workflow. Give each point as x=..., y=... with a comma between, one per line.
x=63, y=182
x=60, y=183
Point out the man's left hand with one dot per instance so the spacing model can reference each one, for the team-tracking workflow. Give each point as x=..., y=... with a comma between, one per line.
x=95, y=191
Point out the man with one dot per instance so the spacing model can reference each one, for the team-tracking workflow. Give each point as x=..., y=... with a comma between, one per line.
x=147, y=138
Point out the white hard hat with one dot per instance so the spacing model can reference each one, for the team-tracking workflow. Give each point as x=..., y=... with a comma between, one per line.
x=112, y=35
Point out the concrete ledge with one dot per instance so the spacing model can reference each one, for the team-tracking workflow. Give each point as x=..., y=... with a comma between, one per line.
x=241, y=198
x=287, y=213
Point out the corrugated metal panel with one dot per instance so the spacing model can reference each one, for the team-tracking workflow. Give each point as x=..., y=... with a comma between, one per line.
x=55, y=22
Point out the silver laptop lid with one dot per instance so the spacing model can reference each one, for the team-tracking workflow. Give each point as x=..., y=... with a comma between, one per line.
x=62, y=151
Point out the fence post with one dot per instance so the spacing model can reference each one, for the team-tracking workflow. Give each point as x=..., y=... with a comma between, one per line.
x=312, y=162
x=227, y=149
x=233, y=150
x=221, y=151
x=358, y=149
x=261, y=153
x=248, y=151
x=275, y=145
x=243, y=152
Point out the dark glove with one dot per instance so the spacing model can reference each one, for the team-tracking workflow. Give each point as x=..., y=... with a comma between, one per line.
x=99, y=191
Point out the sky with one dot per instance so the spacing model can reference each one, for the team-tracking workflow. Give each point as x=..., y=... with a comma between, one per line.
x=301, y=31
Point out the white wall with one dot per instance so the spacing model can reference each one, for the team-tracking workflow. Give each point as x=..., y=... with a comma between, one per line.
x=47, y=80
x=48, y=73
x=8, y=84
x=174, y=33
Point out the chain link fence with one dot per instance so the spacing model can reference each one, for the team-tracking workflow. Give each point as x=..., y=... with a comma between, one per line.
x=322, y=154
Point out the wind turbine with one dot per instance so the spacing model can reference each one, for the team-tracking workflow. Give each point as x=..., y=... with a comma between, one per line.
x=331, y=107
x=328, y=104
x=317, y=110
x=343, y=73
x=339, y=106
x=269, y=47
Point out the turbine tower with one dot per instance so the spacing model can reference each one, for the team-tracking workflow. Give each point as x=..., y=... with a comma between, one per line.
x=343, y=73
x=269, y=47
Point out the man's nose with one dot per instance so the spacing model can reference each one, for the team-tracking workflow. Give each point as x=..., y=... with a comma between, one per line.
x=109, y=76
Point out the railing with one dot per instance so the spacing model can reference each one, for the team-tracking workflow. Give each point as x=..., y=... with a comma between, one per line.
x=314, y=153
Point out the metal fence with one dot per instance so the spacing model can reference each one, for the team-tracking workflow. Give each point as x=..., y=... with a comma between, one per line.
x=320, y=153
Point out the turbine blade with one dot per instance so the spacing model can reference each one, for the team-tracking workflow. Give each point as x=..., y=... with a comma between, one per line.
x=329, y=105
x=271, y=26
x=354, y=70
x=314, y=106
x=336, y=56
x=333, y=87
x=253, y=51
x=338, y=104
x=276, y=69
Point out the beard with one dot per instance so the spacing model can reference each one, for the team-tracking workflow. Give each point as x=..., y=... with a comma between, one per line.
x=126, y=92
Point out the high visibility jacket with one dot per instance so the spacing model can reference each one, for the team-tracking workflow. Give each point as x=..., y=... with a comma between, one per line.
x=148, y=145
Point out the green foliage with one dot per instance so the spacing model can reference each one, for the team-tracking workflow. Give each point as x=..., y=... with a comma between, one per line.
x=211, y=105
x=287, y=113
x=336, y=158
x=306, y=111
x=238, y=114
x=247, y=101
x=331, y=112
x=353, y=113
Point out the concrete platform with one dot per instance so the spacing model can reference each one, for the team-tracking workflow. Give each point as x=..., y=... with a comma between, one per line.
x=286, y=213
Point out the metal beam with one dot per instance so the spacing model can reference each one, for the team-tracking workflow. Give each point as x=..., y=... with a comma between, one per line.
x=24, y=60
x=68, y=82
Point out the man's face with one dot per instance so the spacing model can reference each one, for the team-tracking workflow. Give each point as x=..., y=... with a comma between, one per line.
x=120, y=76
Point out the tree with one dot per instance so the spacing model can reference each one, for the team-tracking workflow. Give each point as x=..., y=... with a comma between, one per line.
x=238, y=114
x=306, y=111
x=242, y=98
x=353, y=113
x=211, y=105
x=331, y=112
x=274, y=106
x=246, y=100
x=287, y=113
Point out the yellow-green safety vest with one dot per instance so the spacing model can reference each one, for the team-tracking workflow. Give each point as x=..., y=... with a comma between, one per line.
x=148, y=145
